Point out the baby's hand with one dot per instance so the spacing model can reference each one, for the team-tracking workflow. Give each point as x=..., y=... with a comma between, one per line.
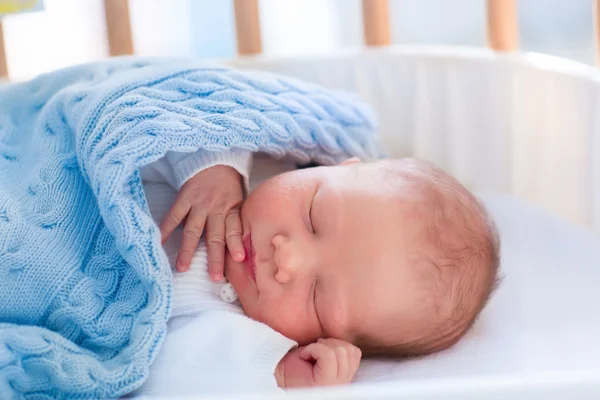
x=326, y=362
x=211, y=199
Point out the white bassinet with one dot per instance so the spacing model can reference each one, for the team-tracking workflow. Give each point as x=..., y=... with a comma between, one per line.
x=520, y=126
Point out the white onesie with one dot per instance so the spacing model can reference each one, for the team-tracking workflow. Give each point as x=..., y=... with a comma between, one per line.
x=211, y=345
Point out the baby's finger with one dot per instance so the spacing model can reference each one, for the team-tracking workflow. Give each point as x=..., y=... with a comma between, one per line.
x=326, y=368
x=191, y=236
x=333, y=343
x=343, y=363
x=215, y=245
x=355, y=356
x=233, y=235
x=179, y=210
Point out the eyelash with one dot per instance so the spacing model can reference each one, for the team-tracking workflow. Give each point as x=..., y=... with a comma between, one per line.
x=310, y=221
x=315, y=303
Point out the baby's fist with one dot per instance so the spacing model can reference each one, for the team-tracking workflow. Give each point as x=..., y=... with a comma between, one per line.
x=326, y=362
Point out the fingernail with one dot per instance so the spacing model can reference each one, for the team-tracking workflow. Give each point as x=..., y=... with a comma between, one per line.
x=239, y=256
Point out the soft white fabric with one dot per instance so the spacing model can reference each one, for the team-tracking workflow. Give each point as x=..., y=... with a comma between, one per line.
x=211, y=344
x=177, y=168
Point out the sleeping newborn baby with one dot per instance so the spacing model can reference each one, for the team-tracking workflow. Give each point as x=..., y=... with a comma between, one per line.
x=391, y=258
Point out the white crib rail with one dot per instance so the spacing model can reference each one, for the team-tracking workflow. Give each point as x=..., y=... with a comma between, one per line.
x=526, y=125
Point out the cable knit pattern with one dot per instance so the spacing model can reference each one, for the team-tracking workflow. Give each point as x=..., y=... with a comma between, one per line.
x=85, y=287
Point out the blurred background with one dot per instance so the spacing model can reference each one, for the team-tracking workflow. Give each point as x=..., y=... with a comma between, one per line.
x=67, y=32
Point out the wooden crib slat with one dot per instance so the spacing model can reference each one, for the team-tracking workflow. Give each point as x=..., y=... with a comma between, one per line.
x=597, y=28
x=3, y=63
x=376, y=22
x=502, y=28
x=118, y=27
x=247, y=27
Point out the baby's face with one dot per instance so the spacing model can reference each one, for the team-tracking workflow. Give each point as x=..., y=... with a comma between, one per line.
x=325, y=254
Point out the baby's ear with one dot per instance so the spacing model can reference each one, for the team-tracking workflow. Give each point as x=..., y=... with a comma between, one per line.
x=350, y=161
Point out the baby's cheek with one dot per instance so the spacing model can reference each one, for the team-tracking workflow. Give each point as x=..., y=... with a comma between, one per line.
x=291, y=322
x=261, y=310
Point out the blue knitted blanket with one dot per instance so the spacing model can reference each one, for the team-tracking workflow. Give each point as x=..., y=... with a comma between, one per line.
x=84, y=283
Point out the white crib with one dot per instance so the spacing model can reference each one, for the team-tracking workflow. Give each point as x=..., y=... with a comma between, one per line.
x=524, y=126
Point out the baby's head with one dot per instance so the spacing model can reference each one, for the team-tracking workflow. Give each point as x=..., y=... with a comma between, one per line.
x=394, y=256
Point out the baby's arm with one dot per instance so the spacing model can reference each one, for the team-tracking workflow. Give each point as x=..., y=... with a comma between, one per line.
x=216, y=352
x=326, y=362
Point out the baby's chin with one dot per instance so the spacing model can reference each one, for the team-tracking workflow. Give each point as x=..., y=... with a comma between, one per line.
x=230, y=265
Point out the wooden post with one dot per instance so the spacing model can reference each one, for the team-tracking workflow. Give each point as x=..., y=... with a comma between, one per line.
x=247, y=27
x=597, y=27
x=376, y=22
x=3, y=64
x=118, y=27
x=502, y=25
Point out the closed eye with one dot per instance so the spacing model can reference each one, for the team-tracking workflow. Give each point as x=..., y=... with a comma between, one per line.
x=310, y=218
x=314, y=299
x=311, y=221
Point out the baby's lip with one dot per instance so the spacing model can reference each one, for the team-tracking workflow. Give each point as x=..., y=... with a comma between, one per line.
x=249, y=260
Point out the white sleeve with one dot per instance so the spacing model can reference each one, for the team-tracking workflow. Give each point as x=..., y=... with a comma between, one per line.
x=186, y=165
x=177, y=168
x=216, y=352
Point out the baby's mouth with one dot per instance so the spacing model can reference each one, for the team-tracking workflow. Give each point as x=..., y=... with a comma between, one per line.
x=249, y=260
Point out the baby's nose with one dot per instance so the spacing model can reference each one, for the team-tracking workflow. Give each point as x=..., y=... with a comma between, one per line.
x=286, y=259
